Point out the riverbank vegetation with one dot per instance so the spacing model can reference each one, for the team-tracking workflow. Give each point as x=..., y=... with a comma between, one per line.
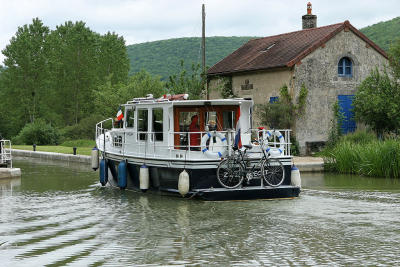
x=364, y=154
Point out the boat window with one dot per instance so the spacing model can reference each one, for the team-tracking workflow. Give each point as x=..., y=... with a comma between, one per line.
x=211, y=120
x=130, y=118
x=142, y=123
x=158, y=123
x=228, y=120
x=188, y=123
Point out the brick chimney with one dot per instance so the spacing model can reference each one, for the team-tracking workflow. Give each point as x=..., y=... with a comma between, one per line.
x=309, y=20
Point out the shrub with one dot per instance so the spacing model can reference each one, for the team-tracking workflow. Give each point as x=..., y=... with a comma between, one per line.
x=85, y=129
x=361, y=154
x=39, y=133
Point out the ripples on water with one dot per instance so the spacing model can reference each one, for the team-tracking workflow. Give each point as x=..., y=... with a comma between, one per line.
x=59, y=215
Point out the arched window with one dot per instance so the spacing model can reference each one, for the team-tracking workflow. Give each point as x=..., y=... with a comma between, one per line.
x=345, y=67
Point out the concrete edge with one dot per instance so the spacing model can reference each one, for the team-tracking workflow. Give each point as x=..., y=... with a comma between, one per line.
x=10, y=172
x=51, y=156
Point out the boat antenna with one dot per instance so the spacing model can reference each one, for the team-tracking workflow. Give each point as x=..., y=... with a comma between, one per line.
x=203, y=49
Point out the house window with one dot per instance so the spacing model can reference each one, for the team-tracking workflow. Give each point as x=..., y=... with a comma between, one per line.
x=345, y=67
x=273, y=99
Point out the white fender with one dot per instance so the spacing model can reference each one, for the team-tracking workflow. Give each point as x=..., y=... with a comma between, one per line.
x=209, y=153
x=144, y=178
x=275, y=151
x=183, y=183
x=295, y=177
x=95, y=158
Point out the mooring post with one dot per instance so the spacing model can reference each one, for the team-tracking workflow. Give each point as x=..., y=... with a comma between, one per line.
x=34, y=147
x=74, y=149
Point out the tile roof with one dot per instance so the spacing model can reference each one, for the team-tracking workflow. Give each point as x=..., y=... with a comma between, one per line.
x=282, y=50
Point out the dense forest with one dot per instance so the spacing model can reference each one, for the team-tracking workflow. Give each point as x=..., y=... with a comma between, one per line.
x=163, y=57
x=384, y=33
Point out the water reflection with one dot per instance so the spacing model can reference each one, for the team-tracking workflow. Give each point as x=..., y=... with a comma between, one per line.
x=60, y=215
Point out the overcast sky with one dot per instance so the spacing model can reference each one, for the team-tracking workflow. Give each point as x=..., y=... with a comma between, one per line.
x=149, y=20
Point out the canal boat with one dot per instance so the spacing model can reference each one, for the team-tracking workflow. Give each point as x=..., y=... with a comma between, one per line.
x=173, y=145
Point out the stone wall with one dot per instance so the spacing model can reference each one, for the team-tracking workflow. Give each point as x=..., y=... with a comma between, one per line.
x=259, y=86
x=319, y=72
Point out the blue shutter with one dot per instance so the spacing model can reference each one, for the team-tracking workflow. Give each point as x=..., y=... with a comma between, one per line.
x=346, y=108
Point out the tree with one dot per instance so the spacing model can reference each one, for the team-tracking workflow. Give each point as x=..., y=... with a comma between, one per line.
x=192, y=84
x=110, y=96
x=74, y=63
x=113, y=58
x=377, y=102
x=25, y=77
x=394, y=59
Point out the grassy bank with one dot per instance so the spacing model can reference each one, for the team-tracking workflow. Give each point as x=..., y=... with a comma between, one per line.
x=361, y=153
x=84, y=147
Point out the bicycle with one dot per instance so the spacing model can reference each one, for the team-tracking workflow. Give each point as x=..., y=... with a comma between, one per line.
x=232, y=171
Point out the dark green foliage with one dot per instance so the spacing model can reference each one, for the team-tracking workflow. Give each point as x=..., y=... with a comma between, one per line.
x=25, y=76
x=113, y=59
x=54, y=75
x=384, y=33
x=84, y=129
x=394, y=59
x=336, y=126
x=377, y=103
x=283, y=114
x=39, y=133
x=163, y=57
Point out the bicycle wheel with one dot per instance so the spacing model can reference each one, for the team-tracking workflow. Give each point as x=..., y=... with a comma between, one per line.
x=230, y=173
x=273, y=172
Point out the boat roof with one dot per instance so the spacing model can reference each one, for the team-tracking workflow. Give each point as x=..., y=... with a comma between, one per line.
x=201, y=102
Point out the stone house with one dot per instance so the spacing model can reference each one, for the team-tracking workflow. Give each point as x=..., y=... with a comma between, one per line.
x=331, y=61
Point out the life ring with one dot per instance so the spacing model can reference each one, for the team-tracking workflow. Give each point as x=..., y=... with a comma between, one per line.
x=209, y=153
x=275, y=151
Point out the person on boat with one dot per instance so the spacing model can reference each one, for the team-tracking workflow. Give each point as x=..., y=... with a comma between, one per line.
x=194, y=133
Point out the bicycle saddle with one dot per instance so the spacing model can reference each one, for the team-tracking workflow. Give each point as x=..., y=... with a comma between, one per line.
x=249, y=146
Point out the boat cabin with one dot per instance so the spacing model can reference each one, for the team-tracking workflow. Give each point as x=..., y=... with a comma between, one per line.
x=157, y=127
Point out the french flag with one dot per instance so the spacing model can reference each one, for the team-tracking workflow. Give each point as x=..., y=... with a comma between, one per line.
x=120, y=115
x=238, y=139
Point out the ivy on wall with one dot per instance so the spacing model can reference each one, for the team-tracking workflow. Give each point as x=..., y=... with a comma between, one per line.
x=283, y=113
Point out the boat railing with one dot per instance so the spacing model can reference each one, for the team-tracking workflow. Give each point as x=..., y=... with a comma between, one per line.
x=149, y=145
x=5, y=152
x=100, y=127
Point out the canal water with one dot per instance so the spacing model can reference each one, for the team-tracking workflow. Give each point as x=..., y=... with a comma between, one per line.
x=58, y=215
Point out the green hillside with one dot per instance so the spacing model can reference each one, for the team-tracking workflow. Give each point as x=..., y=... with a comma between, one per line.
x=384, y=33
x=163, y=57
